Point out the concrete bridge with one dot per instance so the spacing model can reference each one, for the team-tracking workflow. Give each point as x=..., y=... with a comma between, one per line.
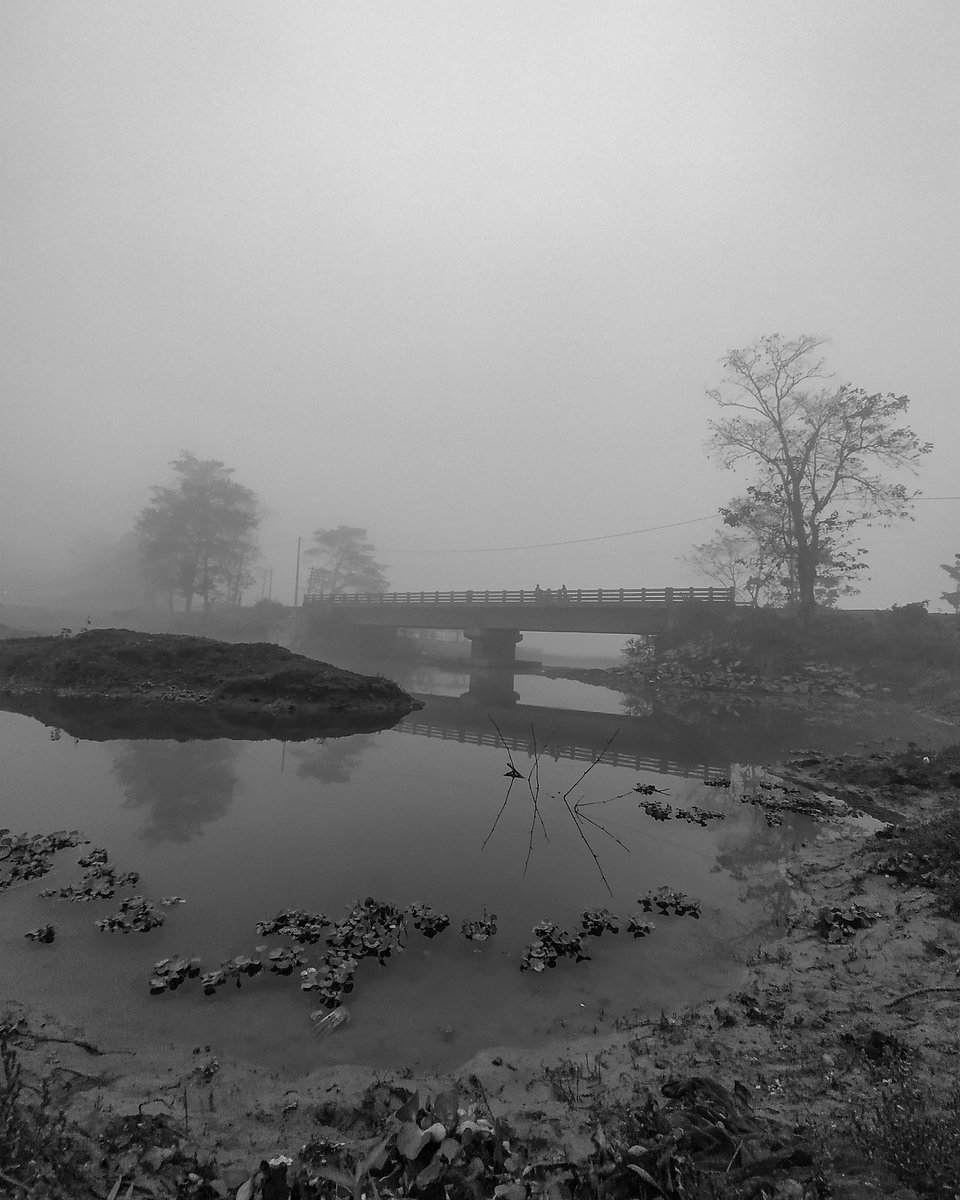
x=494, y=621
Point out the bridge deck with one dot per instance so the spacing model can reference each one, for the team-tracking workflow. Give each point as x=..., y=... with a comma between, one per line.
x=538, y=596
x=583, y=610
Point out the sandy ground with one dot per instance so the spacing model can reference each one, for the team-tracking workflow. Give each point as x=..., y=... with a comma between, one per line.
x=812, y=1032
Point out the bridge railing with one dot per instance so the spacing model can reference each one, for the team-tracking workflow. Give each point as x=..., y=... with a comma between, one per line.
x=538, y=596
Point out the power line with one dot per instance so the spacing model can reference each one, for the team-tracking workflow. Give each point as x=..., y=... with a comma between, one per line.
x=603, y=537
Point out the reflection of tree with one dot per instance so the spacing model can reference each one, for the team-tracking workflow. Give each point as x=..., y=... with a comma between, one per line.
x=330, y=760
x=184, y=784
x=637, y=701
x=755, y=861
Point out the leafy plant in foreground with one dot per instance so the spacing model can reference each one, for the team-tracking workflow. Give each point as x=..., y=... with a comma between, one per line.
x=39, y=1155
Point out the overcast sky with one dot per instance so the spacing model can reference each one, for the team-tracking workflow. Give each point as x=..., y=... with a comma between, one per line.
x=461, y=273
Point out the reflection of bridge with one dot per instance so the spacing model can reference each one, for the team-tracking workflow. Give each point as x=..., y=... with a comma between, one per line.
x=658, y=743
x=493, y=620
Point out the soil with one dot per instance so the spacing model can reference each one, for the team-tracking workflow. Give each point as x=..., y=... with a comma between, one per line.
x=826, y=1071
x=115, y=683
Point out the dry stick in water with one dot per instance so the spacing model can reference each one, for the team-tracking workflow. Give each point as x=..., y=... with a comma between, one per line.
x=576, y=817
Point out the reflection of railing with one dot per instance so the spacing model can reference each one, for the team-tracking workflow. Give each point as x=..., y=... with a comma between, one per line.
x=537, y=596
x=557, y=750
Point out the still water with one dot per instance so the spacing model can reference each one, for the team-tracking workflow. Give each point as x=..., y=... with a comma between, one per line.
x=420, y=812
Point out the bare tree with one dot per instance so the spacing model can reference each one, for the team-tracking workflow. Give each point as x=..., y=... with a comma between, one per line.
x=820, y=451
x=730, y=560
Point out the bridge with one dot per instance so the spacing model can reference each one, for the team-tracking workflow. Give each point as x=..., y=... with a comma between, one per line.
x=494, y=621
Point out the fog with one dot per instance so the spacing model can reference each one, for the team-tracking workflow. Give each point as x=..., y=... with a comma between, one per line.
x=461, y=274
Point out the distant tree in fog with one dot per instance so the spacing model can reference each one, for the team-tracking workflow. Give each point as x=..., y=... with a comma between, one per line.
x=953, y=570
x=819, y=453
x=734, y=560
x=346, y=562
x=198, y=538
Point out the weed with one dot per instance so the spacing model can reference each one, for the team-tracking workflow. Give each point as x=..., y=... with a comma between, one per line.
x=38, y=1152
x=926, y=855
x=909, y=1132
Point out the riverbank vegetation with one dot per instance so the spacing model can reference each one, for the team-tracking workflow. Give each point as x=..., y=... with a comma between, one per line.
x=896, y=651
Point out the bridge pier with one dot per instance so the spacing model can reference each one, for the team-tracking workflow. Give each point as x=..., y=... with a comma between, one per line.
x=491, y=687
x=493, y=647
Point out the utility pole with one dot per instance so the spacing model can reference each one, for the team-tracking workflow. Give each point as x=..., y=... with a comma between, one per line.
x=296, y=581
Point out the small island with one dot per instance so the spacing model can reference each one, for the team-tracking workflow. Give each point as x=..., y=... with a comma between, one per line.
x=109, y=683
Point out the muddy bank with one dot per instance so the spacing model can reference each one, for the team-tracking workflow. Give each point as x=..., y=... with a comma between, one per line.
x=829, y=1069
x=115, y=683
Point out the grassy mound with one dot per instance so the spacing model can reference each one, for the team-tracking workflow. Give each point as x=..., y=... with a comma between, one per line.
x=107, y=666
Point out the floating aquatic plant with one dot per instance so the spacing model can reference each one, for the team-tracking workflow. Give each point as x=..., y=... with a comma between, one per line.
x=659, y=812
x=717, y=783
x=169, y=973
x=667, y=901
x=43, y=933
x=233, y=969
x=28, y=856
x=99, y=882
x=283, y=960
x=699, y=816
x=650, y=789
x=303, y=927
x=639, y=927
x=551, y=944
x=481, y=929
x=596, y=921
x=428, y=920
x=135, y=914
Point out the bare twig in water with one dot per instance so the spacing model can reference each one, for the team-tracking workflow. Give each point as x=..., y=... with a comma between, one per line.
x=533, y=786
x=499, y=814
x=577, y=817
x=515, y=774
x=609, y=800
x=596, y=824
x=596, y=759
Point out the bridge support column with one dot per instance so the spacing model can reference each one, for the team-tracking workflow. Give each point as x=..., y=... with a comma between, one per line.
x=493, y=647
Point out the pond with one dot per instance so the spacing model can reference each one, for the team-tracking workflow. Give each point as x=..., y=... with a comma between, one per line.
x=420, y=812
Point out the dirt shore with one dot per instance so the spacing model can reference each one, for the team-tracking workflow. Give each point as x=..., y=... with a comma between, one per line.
x=830, y=1070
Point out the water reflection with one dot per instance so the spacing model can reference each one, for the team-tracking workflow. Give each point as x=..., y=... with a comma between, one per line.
x=183, y=785
x=656, y=742
x=331, y=760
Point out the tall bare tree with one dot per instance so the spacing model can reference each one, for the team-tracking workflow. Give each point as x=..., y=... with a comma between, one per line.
x=821, y=452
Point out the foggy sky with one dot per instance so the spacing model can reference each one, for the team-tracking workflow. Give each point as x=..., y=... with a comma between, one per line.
x=462, y=273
